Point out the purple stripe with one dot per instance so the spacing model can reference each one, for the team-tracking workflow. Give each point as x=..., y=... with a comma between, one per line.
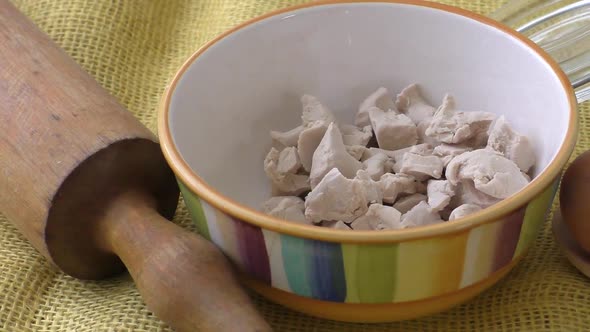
x=252, y=250
x=508, y=239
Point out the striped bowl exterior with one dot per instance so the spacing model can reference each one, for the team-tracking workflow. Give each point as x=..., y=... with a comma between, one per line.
x=372, y=273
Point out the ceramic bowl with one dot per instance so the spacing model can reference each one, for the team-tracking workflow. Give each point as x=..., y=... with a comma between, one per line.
x=214, y=128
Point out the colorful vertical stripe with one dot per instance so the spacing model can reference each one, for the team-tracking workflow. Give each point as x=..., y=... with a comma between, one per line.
x=430, y=267
x=321, y=262
x=228, y=237
x=480, y=249
x=297, y=262
x=252, y=249
x=372, y=273
x=535, y=215
x=507, y=239
x=490, y=247
x=194, y=207
x=214, y=232
x=274, y=250
x=328, y=270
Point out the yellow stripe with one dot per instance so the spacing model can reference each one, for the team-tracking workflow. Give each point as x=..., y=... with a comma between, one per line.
x=430, y=267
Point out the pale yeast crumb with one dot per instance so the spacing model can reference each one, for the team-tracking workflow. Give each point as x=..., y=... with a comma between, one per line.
x=288, y=138
x=439, y=194
x=511, y=144
x=286, y=207
x=451, y=126
x=314, y=111
x=377, y=165
x=491, y=172
x=308, y=141
x=331, y=153
x=421, y=167
x=352, y=135
x=356, y=151
x=378, y=217
x=392, y=130
x=411, y=102
x=406, y=203
x=287, y=183
x=380, y=99
x=420, y=215
x=464, y=210
x=446, y=152
x=337, y=198
x=288, y=161
x=431, y=164
x=394, y=185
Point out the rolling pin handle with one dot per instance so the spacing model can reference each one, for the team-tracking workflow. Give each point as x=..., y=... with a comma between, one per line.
x=183, y=278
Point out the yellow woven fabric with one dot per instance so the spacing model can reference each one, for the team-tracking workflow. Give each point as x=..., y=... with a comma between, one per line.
x=133, y=48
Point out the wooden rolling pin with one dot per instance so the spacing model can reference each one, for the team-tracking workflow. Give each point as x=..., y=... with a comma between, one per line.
x=87, y=184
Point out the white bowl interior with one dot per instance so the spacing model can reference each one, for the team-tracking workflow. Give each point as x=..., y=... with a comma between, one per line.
x=250, y=82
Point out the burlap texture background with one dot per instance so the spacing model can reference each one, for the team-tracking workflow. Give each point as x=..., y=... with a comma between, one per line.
x=133, y=47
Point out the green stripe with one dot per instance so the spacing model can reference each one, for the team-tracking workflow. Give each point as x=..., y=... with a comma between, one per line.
x=298, y=262
x=193, y=204
x=535, y=215
x=370, y=272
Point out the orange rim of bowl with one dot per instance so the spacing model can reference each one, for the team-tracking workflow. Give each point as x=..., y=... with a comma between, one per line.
x=205, y=192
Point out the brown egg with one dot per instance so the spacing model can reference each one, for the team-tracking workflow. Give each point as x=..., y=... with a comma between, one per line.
x=570, y=247
x=575, y=199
